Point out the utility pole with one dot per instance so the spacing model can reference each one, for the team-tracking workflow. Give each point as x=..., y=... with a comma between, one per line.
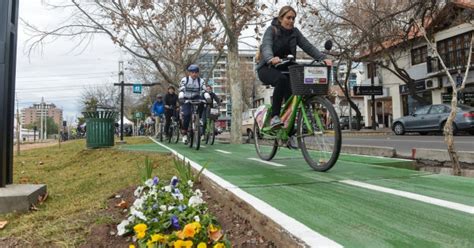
x=372, y=83
x=122, y=85
x=41, y=121
x=122, y=95
x=17, y=127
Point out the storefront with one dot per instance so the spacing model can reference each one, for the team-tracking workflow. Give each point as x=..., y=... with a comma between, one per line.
x=409, y=103
x=465, y=97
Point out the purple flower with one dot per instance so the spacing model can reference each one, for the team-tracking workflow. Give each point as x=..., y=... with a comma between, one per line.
x=175, y=222
x=154, y=220
x=155, y=180
x=155, y=206
x=174, y=181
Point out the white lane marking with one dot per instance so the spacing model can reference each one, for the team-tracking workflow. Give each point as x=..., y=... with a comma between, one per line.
x=435, y=201
x=294, y=227
x=225, y=152
x=267, y=162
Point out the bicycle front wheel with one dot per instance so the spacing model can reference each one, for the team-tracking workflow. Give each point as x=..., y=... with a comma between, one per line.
x=175, y=134
x=319, y=133
x=197, y=131
x=265, y=146
x=212, y=132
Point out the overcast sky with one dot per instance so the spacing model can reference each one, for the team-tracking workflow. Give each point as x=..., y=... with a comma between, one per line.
x=57, y=74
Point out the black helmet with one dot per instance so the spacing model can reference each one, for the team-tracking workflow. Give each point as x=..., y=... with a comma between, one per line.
x=193, y=68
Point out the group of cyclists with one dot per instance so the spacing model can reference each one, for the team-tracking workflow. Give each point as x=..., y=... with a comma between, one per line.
x=173, y=105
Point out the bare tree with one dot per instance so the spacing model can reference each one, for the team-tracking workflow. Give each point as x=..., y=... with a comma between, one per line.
x=168, y=34
x=448, y=127
x=382, y=29
x=234, y=16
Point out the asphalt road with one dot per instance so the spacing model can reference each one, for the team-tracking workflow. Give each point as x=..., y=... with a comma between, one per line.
x=404, y=144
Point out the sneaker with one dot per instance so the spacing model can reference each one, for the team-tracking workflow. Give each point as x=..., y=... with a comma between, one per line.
x=185, y=139
x=292, y=143
x=275, y=121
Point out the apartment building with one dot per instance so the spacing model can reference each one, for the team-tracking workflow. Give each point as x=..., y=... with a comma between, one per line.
x=33, y=113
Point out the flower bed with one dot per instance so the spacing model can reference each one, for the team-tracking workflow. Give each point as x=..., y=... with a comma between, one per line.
x=171, y=215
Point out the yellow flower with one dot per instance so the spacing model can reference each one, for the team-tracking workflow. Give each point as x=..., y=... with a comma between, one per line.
x=197, y=226
x=140, y=228
x=212, y=228
x=150, y=244
x=219, y=245
x=157, y=238
x=202, y=245
x=183, y=244
x=180, y=234
x=141, y=235
x=131, y=246
x=189, y=231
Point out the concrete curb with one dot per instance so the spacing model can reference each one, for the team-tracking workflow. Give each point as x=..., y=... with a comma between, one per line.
x=381, y=151
x=441, y=155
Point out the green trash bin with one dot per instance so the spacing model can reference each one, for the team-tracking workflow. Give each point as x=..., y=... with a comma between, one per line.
x=100, y=128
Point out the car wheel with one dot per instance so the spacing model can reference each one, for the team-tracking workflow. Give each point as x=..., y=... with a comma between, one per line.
x=249, y=135
x=423, y=133
x=471, y=132
x=398, y=129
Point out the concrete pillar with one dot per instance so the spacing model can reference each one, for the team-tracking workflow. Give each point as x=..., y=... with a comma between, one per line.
x=397, y=103
x=436, y=96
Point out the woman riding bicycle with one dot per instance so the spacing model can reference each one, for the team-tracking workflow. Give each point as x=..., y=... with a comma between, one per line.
x=279, y=41
x=191, y=87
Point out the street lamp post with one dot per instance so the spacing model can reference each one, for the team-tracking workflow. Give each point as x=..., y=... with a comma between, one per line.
x=8, y=40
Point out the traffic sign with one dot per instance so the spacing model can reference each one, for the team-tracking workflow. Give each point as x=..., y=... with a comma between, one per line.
x=138, y=115
x=368, y=90
x=137, y=88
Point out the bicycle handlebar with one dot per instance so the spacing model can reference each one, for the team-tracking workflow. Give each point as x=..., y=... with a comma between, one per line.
x=199, y=101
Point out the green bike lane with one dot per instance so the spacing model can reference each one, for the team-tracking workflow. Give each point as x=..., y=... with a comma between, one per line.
x=335, y=206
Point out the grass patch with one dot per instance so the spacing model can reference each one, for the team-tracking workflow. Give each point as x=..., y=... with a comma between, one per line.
x=79, y=183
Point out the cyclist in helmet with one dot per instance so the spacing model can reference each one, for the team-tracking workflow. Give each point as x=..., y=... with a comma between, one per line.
x=157, y=110
x=191, y=87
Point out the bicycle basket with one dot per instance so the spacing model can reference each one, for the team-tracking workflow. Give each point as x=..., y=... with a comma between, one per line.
x=214, y=113
x=309, y=79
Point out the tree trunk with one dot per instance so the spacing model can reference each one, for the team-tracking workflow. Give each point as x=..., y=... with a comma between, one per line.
x=448, y=133
x=235, y=91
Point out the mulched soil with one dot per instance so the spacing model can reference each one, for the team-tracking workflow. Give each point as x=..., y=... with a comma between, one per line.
x=238, y=230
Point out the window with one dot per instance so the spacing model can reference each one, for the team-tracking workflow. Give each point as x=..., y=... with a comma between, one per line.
x=438, y=109
x=422, y=110
x=455, y=50
x=418, y=55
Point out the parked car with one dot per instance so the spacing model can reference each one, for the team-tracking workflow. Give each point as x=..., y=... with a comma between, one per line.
x=344, y=122
x=432, y=118
x=247, y=123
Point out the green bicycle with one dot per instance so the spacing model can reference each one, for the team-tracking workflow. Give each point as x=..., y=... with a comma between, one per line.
x=210, y=131
x=307, y=116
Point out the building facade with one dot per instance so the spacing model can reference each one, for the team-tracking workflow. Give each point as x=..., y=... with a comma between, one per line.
x=217, y=78
x=431, y=83
x=33, y=114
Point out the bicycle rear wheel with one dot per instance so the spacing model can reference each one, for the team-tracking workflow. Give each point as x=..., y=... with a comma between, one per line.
x=265, y=146
x=322, y=146
x=161, y=131
x=212, y=132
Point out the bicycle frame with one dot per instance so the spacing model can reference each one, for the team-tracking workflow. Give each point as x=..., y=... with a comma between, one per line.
x=292, y=106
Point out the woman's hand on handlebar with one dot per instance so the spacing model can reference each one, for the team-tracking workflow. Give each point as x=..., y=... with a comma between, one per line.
x=275, y=60
x=328, y=62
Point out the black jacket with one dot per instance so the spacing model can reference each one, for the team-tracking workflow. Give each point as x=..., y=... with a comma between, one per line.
x=171, y=99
